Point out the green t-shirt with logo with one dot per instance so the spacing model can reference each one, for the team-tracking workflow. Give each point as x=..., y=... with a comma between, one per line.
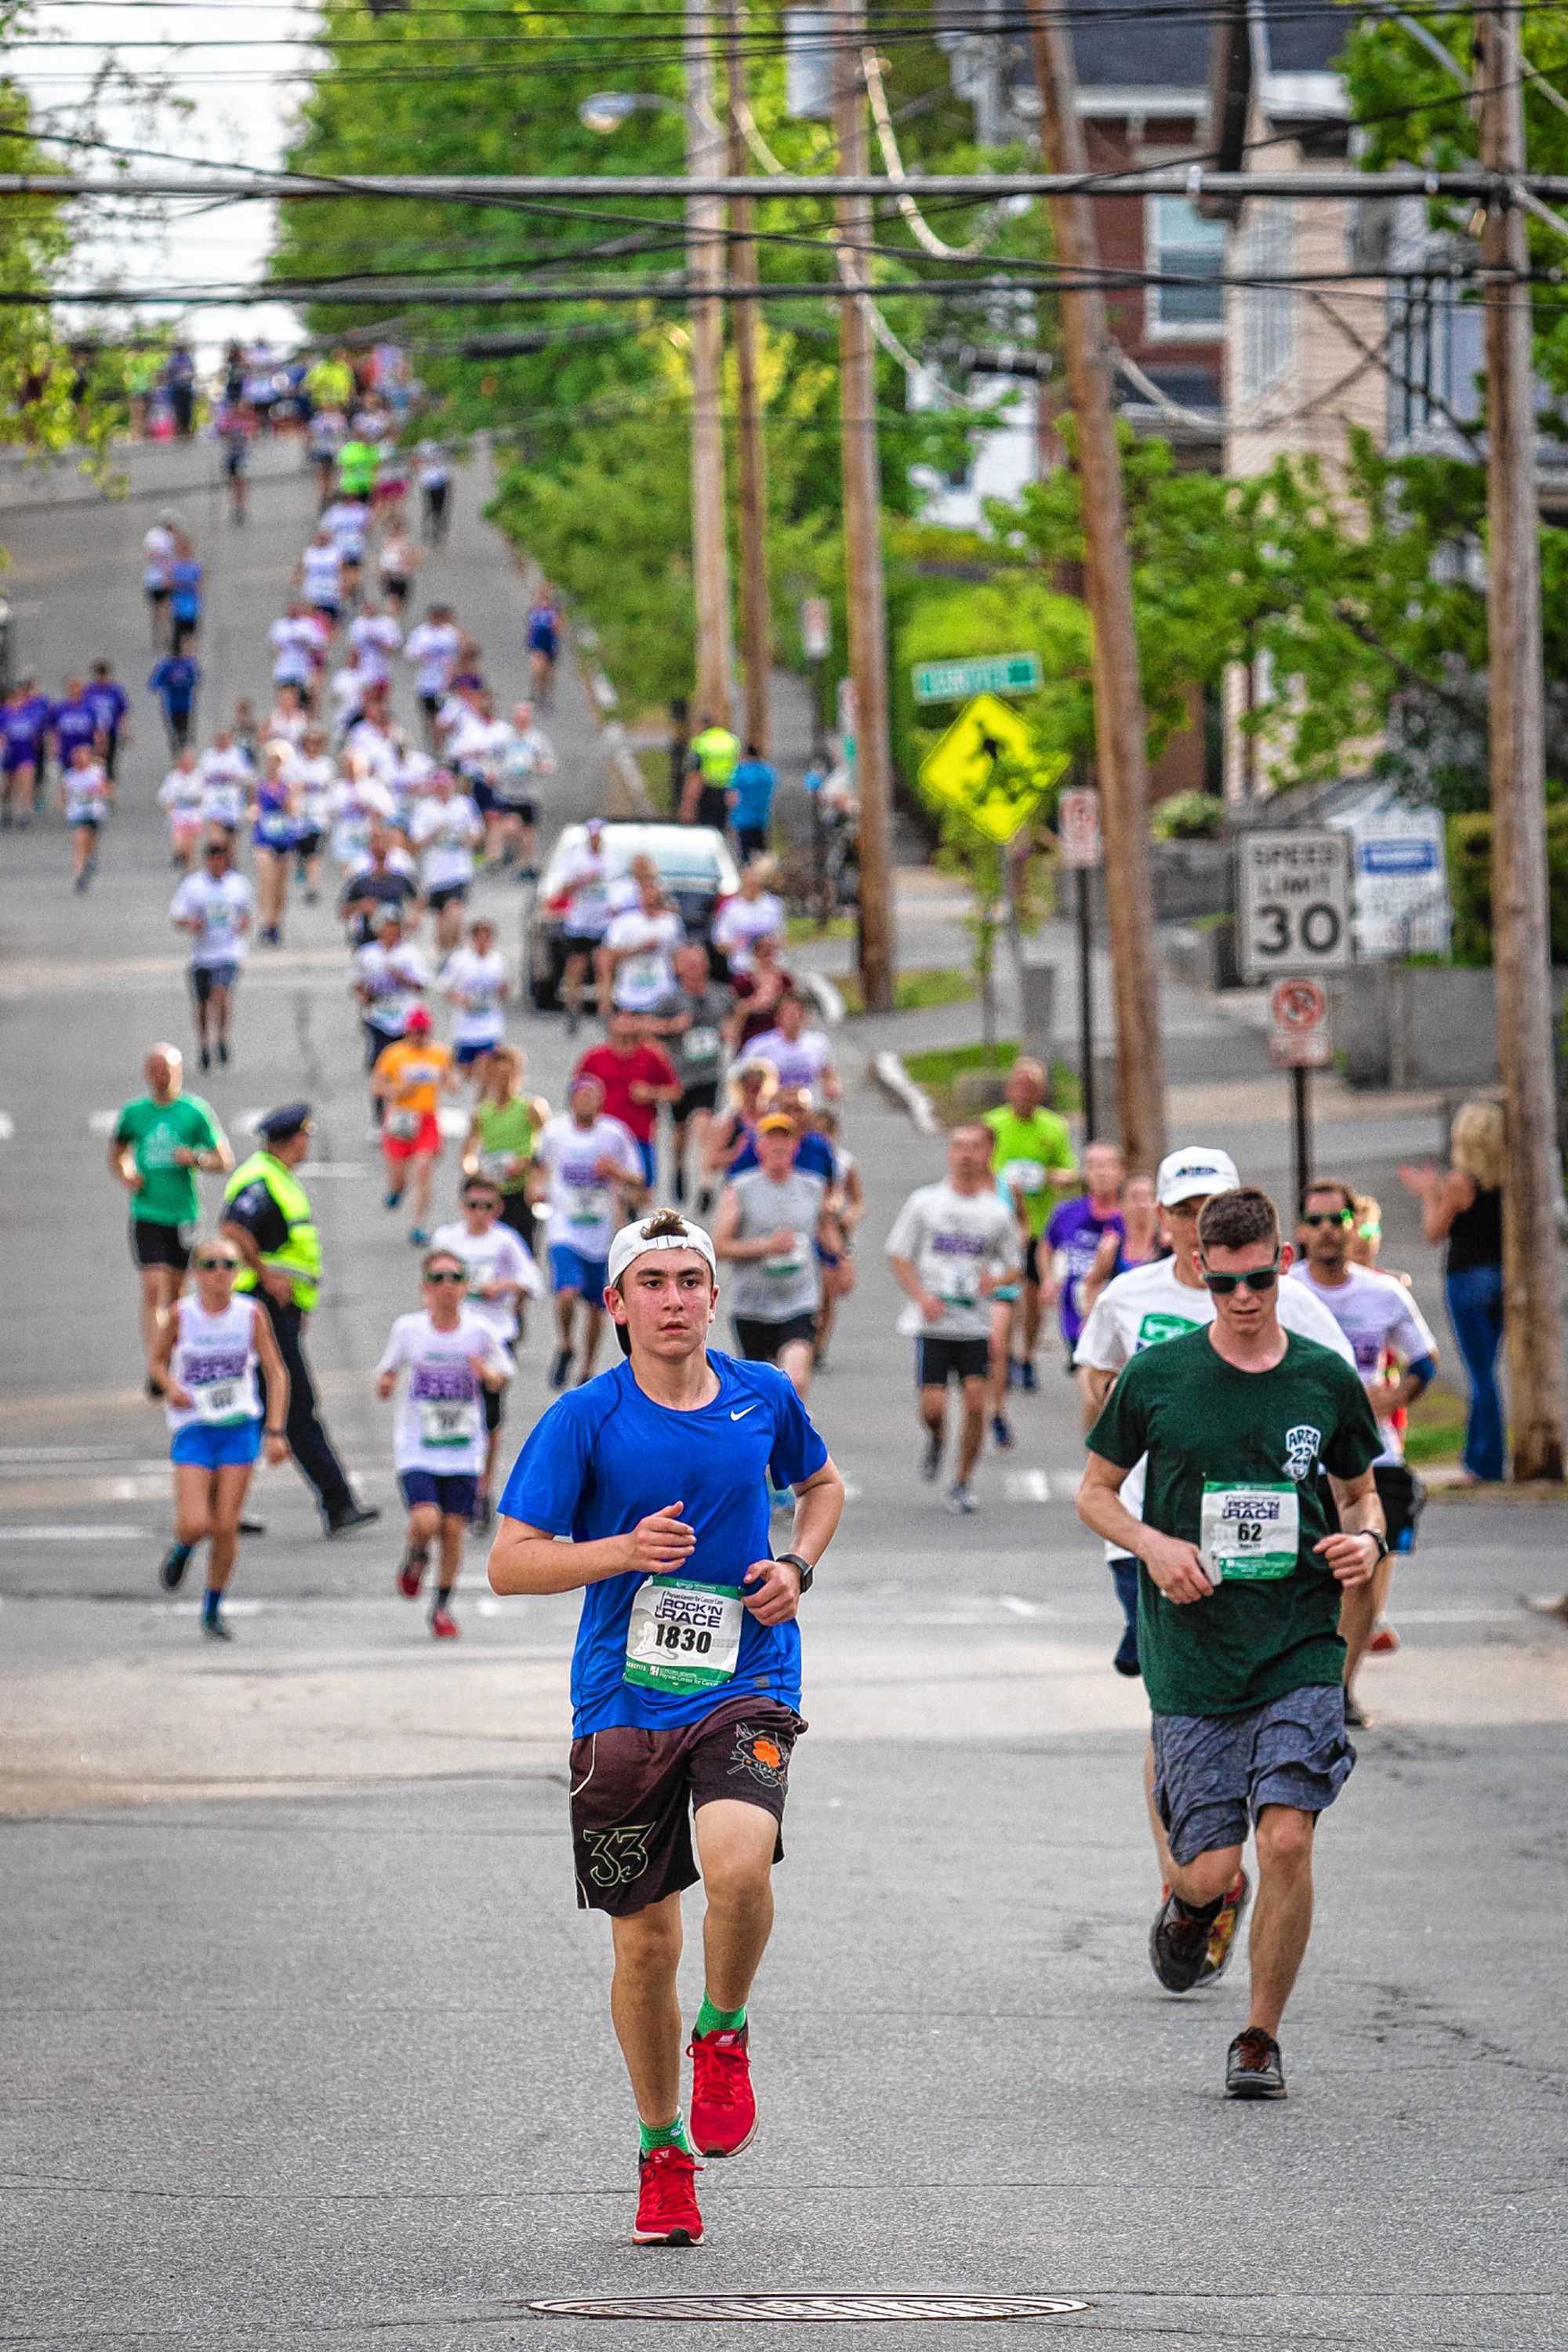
x=155, y=1131
x=505, y=1132
x=1233, y=1462
x=1023, y=1155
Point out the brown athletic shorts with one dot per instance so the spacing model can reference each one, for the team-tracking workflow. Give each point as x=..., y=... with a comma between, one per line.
x=634, y=1792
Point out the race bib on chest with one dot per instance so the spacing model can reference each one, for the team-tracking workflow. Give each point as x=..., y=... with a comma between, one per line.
x=219, y=1401
x=1250, y=1533
x=683, y=1636
x=495, y=1164
x=702, y=1044
x=403, y=1124
x=448, y=1424
x=789, y=1261
x=586, y=1205
x=1025, y=1175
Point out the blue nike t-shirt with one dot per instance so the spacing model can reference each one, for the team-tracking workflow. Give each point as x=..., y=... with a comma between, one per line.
x=605, y=1456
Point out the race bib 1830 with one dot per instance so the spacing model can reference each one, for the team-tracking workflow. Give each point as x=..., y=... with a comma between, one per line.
x=1250, y=1533
x=683, y=1636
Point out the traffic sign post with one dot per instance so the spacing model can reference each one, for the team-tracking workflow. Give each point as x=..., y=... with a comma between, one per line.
x=1077, y=832
x=955, y=681
x=1294, y=904
x=1298, y=1042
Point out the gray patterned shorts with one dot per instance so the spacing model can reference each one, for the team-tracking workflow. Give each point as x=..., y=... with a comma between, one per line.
x=1214, y=1773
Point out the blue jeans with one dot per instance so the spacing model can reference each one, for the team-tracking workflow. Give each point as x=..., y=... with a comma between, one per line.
x=1475, y=1311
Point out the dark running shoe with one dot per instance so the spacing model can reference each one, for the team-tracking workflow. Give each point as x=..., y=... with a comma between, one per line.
x=177, y=1559
x=561, y=1369
x=1253, y=2068
x=360, y=1516
x=1179, y=1943
x=1356, y=1715
x=931, y=1460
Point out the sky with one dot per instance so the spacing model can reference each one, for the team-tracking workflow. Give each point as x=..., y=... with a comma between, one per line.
x=231, y=71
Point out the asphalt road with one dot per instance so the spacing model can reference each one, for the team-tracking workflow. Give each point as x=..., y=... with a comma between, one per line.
x=303, y=2042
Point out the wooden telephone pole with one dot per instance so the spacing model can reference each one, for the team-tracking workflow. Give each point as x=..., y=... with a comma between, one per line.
x=705, y=266
x=864, y=585
x=756, y=630
x=1121, y=725
x=1532, y=1271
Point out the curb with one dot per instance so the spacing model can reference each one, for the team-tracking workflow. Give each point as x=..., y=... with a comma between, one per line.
x=890, y=1074
x=824, y=995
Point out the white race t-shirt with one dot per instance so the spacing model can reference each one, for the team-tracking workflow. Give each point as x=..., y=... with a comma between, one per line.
x=440, y=1415
x=495, y=1257
x=1147, y=1305
x=585, y=882
x=740, y=922
x=321, y=570
x=479, y=981
x=181, y=793
x=396, y=979
x=294, y=647
x=799, y=1062
x=86, y=791
x=952, y=1239
x=445, y=833
x=159, y=548
x=215, y=1358
x=584, y=1206
x=431, y=648
x=348, y=521
x=221, y=903
x=376, y=637
x=1377, y=1315
x=647, y=975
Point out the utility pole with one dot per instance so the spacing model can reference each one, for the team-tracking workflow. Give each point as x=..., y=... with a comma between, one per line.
x=705, y=267
x=756, y=631
x=1121, y=725
x=1531, y=1185
x=864, y=586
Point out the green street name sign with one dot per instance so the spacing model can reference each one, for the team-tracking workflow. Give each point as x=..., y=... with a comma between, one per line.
x=956, y=681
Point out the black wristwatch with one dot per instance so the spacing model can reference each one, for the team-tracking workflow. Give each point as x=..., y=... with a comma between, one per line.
x=804, y=1566
x=1384, y=1546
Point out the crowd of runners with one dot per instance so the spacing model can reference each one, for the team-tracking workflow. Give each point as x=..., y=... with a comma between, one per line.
x=1243, y=1393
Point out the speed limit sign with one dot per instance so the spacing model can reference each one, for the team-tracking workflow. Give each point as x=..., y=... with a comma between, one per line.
x=1294, y=902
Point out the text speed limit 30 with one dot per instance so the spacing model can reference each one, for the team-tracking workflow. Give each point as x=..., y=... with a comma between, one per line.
x=1295, y=902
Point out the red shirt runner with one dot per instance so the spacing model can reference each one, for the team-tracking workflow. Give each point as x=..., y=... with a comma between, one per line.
x=617, y=1072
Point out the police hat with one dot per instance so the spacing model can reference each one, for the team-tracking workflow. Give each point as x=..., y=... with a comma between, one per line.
x=286, y=1120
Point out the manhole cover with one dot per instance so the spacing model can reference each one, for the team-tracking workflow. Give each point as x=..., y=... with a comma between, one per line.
x=811, y=2307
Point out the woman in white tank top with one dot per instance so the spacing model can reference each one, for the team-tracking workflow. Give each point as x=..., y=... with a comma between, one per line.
x=205, y=1362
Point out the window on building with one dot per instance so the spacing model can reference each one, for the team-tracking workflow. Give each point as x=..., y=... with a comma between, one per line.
x=1190, y=250
x=1267, y=312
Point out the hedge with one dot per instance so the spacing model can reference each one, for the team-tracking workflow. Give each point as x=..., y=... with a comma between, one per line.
x=1470, y=883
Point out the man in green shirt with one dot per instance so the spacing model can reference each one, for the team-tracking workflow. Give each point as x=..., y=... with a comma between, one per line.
x=712, y=757
x=160, y=1141
x=1241, y=1579
x=358, y=460
x=1034, y=1162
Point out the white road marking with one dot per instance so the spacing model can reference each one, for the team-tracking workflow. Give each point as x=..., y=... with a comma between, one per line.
x=1016, y=1608
x=1027, y=1486
x=102, y=1122
x=316, y=1168
x=76, y=1535
x=8, y=1127
x=31, y=1453
x=193, y=1608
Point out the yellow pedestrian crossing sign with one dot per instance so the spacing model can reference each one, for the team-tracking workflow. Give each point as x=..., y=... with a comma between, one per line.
x=988, y=767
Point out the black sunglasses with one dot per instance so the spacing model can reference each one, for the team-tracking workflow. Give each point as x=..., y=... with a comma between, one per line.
x=1262, y=1277
x=446, y=1278
x=1328, y=1216
x=213, y=1264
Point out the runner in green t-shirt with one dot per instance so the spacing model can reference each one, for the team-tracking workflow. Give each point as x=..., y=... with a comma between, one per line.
x=358, y=461
x=500, y=1136
x=160, y=1141
x=1032, y=1157
x=1239, y=1587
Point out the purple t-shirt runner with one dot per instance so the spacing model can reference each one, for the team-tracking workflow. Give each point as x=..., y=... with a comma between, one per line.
x=1076, y=1229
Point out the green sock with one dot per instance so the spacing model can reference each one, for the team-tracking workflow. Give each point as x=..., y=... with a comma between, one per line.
x=653, y=2136
x=717, y=2021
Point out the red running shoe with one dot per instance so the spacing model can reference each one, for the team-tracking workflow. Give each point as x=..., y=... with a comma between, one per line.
x=1384, y=1640
x=667, y=2199
x=410, y=1577
x=723, y=2104
x=444, y=1625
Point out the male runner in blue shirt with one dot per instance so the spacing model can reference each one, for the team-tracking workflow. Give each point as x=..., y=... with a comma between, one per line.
x=686, y=1677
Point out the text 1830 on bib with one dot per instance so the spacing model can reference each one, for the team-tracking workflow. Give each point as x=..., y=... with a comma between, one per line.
x=683, y=1636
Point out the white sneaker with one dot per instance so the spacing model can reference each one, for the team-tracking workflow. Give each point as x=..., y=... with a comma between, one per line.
x=961, y=1498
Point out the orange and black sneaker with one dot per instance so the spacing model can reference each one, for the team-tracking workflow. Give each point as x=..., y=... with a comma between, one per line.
x=667, y=2199
x=723, y=2104
x=1221, y=1935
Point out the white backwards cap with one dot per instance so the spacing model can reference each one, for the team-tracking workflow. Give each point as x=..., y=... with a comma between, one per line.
x=1200, y=1168
x=632, y=1242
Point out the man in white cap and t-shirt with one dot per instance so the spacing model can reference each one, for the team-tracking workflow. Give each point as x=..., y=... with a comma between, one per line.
x=1160, y=1301
x=686, y=1674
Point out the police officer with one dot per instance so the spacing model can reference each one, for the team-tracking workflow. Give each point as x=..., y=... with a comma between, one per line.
x=267, y=1215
